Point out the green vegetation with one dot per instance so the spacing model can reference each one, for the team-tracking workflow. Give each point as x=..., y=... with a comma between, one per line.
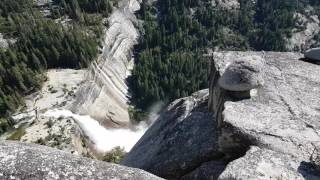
x=75, y=8
x=177, y=33
x=115, y=155
x=5, y=123
x=18, y=133
x=137, y=115
x=43, y=42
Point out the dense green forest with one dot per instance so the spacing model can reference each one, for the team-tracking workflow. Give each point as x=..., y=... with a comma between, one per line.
x=176, y=33
x=170, y=62
x=42, y=42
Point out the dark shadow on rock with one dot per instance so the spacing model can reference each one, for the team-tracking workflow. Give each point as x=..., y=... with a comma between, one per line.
x=307, y=170
x=207, y=171
x=317, y=62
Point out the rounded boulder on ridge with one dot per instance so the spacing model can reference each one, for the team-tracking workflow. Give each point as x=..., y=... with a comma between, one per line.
x=243, y=74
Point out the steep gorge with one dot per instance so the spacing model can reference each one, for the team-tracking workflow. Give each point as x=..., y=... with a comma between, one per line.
x=105, y=94
x=97, y=96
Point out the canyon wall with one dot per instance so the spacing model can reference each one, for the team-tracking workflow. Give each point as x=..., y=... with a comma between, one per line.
x=105, y=94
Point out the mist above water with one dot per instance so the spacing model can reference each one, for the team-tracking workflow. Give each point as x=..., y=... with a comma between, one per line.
x=103, y=139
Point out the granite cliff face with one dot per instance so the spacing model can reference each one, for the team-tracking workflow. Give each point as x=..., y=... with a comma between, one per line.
x=104, y=96
x=269, y=130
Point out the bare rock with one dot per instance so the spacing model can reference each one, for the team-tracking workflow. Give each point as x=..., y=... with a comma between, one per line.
x=266, y=164
x=269, y=135
x=28, y=162
x=179, y=141
x=243, y=74
x=313, y=54
x=208, y=170
x=282, y=119
x=104, y=96
x=284, y=115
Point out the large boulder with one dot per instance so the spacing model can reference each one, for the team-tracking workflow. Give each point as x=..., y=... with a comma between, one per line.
x=28, y=162
x=284, y=115
x=179, y=141
x=243, y=74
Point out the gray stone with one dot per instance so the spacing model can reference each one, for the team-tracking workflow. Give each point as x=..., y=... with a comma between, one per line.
x=29, y=162
x=266, y=164
x=313, y=54
x=243, y=74
x=104, y=96
x=284, y=115
x=179, y=141
x=208, y=170
x=280, y=122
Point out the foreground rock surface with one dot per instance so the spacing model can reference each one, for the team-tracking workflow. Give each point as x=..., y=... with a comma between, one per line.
x=27, y=162
x=267, y=164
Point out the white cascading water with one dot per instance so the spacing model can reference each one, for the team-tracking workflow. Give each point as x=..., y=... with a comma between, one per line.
x=103, y=100
x=103, y=139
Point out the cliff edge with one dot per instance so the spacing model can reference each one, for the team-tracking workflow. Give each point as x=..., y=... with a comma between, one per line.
x=261, y=122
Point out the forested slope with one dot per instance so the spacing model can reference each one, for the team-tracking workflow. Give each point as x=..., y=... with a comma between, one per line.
x=177, y=32
x=67, y=37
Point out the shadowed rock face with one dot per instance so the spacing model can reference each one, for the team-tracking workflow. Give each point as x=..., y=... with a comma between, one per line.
x=28, y=162
x=313, y=55
x=269, y=135
x=179, y=141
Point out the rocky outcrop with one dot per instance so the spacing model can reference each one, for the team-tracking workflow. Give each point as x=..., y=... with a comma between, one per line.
x=26, y=161
x=283, y=114
x=243, y=74
x=269, y=134
x=179, y=141
x=104, y=96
